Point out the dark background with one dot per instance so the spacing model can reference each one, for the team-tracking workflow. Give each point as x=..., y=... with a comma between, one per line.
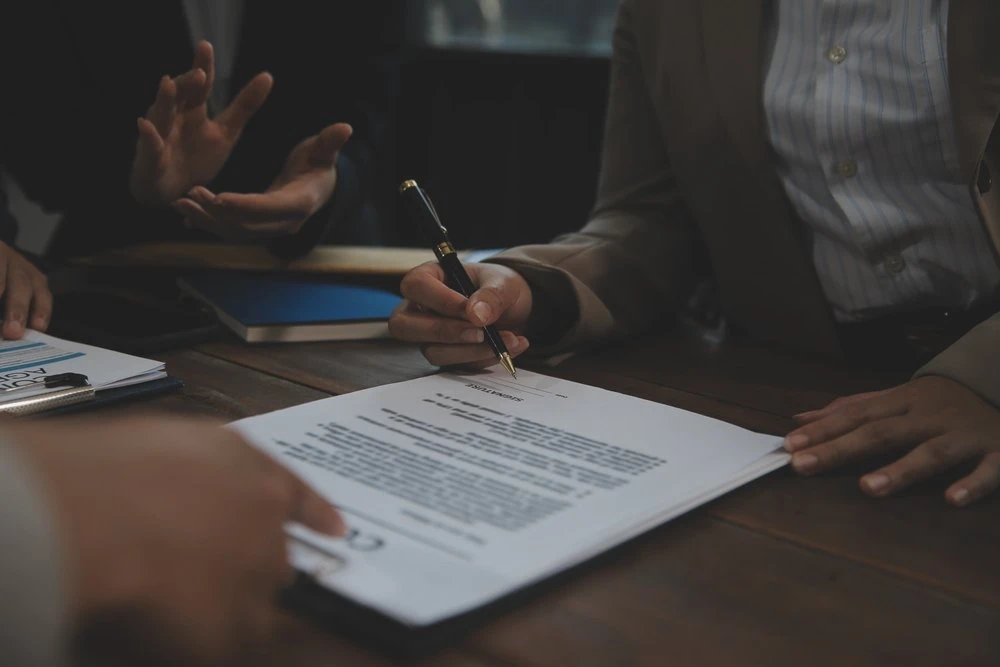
x=497, y=109
x=502, y=122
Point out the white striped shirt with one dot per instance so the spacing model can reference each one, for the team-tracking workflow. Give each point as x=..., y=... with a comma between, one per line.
x=859, y=118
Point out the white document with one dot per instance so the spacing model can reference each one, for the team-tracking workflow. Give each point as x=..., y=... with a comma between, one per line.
x=25, y=363
x=459, y=489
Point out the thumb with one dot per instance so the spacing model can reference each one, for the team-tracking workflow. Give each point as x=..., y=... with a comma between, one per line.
x=329, y=143
x=496, y=294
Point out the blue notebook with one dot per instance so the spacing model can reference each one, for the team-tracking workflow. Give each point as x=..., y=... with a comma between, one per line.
x=267, y=309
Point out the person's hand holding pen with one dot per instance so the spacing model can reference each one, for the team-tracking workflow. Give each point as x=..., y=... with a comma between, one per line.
x=449, y=325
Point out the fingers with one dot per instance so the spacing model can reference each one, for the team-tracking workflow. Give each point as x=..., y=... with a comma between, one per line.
x=313, y=511
x=329, y=143
x=201, y=212
x=425, y=286
x=235, y=117
x=837, y=404
x=984, y=480
x=930, y=458
x=190, y=89
x=197, y=217
x=415, y=326
x=851, y=415
x=204, y=59
x=161, y=114
x=472, y=356
x=879, y=437
x=41, y=305
x=17, y=298
x=282, y=205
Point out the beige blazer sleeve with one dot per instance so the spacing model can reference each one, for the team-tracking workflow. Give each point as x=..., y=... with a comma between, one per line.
x=633, y=262
x=973, y=361
x=33, y=601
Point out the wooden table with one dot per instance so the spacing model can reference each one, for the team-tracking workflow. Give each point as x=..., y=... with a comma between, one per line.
x=783, y=571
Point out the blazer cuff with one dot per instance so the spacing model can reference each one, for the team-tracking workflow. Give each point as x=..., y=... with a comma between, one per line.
x=565, y=313
x=972, y=361
x=34, y=613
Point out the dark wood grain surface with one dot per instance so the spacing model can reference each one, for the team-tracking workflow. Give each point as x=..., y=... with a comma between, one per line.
x=783, y=571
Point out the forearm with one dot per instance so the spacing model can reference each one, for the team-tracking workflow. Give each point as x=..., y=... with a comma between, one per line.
x=613, y=279
x=33, y=620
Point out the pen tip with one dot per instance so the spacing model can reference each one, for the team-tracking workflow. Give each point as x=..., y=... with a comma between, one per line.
x=508, y=363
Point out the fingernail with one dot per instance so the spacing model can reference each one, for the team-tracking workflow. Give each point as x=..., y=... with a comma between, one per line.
x=522, y=344
x=876, y=483
x=472, y=336
x=796, y=441
x=804, y=462
x=509, y=340
x=482, y=311
x=960, y=497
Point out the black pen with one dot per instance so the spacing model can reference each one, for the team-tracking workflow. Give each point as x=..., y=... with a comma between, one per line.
x=419, y=208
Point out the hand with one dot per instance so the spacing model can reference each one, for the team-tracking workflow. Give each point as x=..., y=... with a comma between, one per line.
x=179, y=146
x=450, y=326
x=172, y=528
x=304, y=185
x=26, y=294
x=936, y=423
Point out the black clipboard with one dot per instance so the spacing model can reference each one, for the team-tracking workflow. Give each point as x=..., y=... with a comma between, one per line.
x=72, y=392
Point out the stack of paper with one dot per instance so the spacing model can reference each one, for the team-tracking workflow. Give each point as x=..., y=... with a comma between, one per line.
x=460, y=489
x=25, y=364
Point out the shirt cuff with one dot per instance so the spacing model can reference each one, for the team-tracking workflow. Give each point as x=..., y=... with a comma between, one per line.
x=33, y=599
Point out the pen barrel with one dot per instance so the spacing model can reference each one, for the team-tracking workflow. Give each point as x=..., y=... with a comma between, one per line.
x=494, y=340
x=457, y=277
x=420, y=210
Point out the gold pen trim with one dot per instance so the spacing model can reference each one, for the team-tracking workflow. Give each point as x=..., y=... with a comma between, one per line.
x=444, y=249
x=407, y=185
x=508, y=363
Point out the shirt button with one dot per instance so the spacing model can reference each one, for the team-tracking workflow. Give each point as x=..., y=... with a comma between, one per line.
x=837, y=55
x=847, y=168
x=895, y=264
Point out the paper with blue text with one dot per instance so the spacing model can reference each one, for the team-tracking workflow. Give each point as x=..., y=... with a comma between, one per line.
x=25, y=363
x=459, y=489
